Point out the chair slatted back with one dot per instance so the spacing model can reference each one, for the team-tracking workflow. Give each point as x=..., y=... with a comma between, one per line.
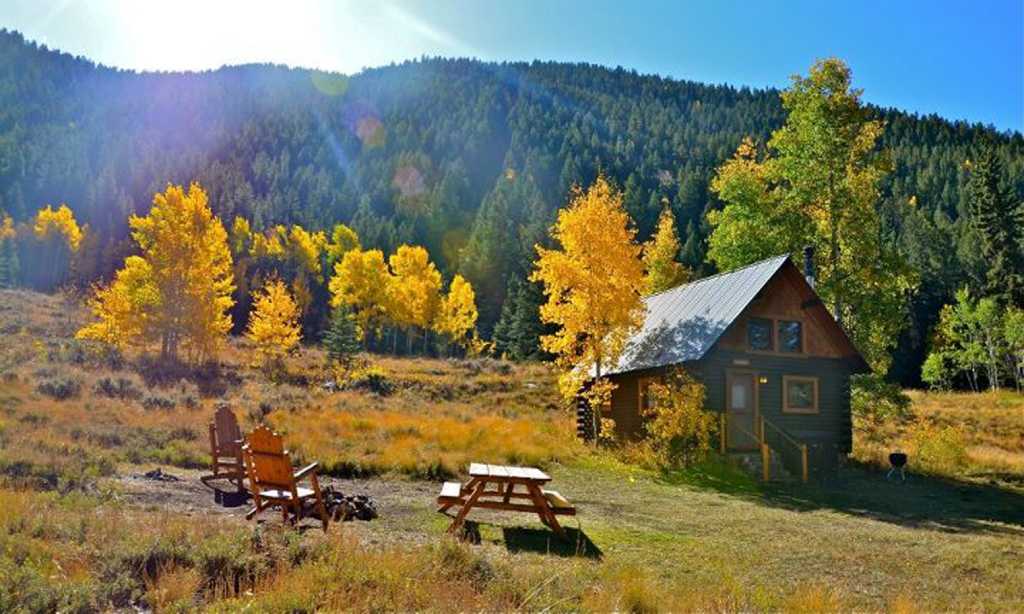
x=269, y=464
x=227, y=435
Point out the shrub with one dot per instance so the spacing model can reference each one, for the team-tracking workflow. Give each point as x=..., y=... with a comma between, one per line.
x=484, y=364
x=679, y=430
x=123, y=388
x=60, y=386
x=157, y=400
x=938, y=449
x=187, y=394
x=873, y=397
x=372, y=378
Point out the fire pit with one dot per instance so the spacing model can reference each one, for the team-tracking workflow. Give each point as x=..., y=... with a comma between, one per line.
x=898, y=460
x=344, y=507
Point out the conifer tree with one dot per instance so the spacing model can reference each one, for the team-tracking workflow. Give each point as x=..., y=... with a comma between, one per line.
x=341, y=340
x=663, y=270
x=999, y=219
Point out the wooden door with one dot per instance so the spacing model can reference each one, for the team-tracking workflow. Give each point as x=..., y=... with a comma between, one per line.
x=741, y=410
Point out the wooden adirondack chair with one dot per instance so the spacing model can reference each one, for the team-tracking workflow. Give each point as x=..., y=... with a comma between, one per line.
x=226, y=449
x=272, y=481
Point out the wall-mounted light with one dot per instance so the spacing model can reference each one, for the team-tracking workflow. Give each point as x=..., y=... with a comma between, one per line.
x=762, y=380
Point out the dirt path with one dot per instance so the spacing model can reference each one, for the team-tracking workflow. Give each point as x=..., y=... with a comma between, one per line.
x=403, y=504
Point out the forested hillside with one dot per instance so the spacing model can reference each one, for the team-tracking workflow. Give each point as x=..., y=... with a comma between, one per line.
x=469, y=159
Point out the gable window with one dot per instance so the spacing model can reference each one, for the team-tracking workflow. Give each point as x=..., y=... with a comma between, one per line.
x=799, y=394
x=759, y=334
x=791, y=336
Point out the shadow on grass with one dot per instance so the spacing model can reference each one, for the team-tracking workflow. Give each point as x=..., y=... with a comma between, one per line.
x=544, y=541
x=715, y=473
x=920, y=502
x=861, y=490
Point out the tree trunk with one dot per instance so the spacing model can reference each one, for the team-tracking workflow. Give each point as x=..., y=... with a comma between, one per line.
x=595, y=419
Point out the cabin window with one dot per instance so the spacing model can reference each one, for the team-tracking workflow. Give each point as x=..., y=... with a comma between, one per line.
x=799, y=394
x=791, y=336
x=645, y=400
x=759, y=334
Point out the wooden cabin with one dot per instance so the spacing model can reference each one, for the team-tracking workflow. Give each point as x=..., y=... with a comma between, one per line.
x=774, y=362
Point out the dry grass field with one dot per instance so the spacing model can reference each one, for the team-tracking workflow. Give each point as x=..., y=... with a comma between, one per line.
x=974, y=437
x=79, y=531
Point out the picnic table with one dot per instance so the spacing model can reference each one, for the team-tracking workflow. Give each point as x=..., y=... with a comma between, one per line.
x=495, y=487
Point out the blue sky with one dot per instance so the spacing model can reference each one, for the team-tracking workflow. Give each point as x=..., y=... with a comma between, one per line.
x=962, y=60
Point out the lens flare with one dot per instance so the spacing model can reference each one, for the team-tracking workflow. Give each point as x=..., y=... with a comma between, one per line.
x=409, y=181
x=330, y=84
x=370, y=131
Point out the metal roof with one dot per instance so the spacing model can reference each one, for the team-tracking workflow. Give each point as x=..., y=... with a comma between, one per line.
x=683, y=323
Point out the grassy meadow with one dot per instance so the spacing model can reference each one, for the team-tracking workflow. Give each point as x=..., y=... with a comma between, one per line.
x=78, y=532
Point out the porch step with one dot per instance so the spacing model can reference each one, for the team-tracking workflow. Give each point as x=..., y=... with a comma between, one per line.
x=751, y=463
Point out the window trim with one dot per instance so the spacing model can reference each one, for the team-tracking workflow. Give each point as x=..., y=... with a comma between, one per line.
x=815, y=408
x=778, y=324
x=771, y=334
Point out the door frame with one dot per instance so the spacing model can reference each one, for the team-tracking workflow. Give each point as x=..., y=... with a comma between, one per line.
x=729, y=374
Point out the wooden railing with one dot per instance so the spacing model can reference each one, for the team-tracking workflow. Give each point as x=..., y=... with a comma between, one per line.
x=792, y=452
x=769, y=437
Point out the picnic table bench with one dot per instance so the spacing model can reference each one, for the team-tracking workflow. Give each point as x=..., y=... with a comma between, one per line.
x=495, y=487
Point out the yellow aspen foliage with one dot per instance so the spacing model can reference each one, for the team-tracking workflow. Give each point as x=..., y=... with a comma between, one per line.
x=304, y=250
x=241, y=236
x=343, y=240
x=7, y=231
x=60, y=222
x=178, y=291
x=8, y=255
x=457, y=315
x=270, y=244
x=273, y=324
x=123, y=308
x=663, y=271
x=302, y=293
x=592, y=283
x=360, y=282
x=415, y=289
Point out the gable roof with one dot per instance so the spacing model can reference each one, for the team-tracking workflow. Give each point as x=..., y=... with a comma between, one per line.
x=683, y=323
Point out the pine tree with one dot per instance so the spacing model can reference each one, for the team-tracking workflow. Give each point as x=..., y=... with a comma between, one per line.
x=341, y=340
x=526, y=327
x=998, y=217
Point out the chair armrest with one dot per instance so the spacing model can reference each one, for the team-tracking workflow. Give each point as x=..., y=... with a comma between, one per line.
x=301, y=473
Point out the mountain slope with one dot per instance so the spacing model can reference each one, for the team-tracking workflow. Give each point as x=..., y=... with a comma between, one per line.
x=470, y=159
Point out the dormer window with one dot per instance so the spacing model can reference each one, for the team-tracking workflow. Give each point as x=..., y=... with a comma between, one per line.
x=759, y=334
